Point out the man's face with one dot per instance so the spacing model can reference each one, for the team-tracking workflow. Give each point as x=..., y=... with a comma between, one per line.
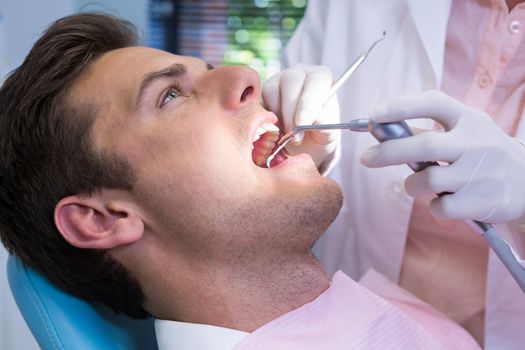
x=188, y=131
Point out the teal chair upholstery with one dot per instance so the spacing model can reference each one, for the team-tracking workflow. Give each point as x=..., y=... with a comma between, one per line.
x=59, y=320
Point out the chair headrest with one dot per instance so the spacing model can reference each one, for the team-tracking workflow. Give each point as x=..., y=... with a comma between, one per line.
x=59, y=320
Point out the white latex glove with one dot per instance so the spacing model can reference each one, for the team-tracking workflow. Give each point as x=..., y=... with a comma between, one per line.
x=296, y=96
x=486, y=171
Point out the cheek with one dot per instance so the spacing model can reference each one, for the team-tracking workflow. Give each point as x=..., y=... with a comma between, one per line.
x=202, y=159
x=217, y=161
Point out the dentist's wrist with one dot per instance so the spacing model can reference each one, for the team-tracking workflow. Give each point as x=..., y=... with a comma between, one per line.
x=520, y=222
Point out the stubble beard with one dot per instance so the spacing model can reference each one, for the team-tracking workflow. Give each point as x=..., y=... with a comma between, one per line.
x=289, y=223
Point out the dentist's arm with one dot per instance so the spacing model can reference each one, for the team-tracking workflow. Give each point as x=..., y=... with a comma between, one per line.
x=486, y=171
x=296, y=96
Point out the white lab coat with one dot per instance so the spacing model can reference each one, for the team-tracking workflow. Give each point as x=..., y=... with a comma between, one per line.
x=371, y=228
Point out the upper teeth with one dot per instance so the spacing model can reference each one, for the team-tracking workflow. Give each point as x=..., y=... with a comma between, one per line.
x=264, y=128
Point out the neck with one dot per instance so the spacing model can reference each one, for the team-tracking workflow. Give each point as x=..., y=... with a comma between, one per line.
x=244, y=297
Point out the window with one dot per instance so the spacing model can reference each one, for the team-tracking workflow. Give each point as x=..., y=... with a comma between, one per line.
x=225, y=32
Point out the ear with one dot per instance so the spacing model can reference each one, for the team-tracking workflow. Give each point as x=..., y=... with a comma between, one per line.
x=98, y=221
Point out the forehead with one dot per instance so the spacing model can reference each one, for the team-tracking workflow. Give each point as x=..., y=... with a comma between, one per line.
x=117, y=75
x=141, y=60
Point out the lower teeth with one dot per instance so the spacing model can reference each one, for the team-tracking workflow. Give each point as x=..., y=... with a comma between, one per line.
x=263, y=148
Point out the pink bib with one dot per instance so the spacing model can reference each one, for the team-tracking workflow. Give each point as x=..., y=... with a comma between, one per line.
x=349, y=316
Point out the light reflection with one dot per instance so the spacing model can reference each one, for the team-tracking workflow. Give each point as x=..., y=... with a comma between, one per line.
x=261, y=3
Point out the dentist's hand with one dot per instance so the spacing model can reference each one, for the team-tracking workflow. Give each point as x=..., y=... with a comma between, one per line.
x=486, y=171
x=296, y=96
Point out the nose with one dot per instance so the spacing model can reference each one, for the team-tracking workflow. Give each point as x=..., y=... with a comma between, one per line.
x=236, y=86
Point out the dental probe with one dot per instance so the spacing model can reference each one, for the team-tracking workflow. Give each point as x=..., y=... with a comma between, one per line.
x=351, y=70
x=288, y=136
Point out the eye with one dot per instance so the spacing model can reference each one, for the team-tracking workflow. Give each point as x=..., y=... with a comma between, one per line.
x=171, y=93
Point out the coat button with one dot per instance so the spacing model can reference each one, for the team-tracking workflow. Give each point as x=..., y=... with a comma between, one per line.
x=395, y=190
x=514, y=27
x=484, y=80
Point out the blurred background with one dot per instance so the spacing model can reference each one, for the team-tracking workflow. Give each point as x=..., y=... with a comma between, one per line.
x=225, y=32
x=221, y=32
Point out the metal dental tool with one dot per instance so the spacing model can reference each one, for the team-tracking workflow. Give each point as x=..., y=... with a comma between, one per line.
x=288, y=136
x=381, y=131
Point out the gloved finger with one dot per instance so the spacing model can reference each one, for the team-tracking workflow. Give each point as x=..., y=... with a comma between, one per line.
x=417, y=131
x=434, y=179
x=292, y=83
x=271, y=94
x=329, y=114
x=429, y=104
x=458, y=206
x=428, y=146
x=317, y=84
x=322, y=137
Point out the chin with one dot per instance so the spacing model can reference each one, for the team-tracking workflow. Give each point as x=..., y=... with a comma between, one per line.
x=306, y=214
x=325, y=208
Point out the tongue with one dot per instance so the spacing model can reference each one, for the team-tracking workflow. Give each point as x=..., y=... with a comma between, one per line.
x=278, y=159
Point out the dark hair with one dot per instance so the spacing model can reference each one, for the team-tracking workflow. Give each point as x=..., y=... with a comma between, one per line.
x=46, y=155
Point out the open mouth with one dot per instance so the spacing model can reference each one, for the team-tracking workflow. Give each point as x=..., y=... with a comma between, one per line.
x=264, y=144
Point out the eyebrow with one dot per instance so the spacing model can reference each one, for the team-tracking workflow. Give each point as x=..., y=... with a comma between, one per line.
x=175, y=70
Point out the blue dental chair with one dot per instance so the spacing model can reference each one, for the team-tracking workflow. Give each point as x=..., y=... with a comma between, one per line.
x=61, y=321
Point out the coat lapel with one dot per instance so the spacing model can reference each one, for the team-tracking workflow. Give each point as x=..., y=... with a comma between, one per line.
x=431, y=18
